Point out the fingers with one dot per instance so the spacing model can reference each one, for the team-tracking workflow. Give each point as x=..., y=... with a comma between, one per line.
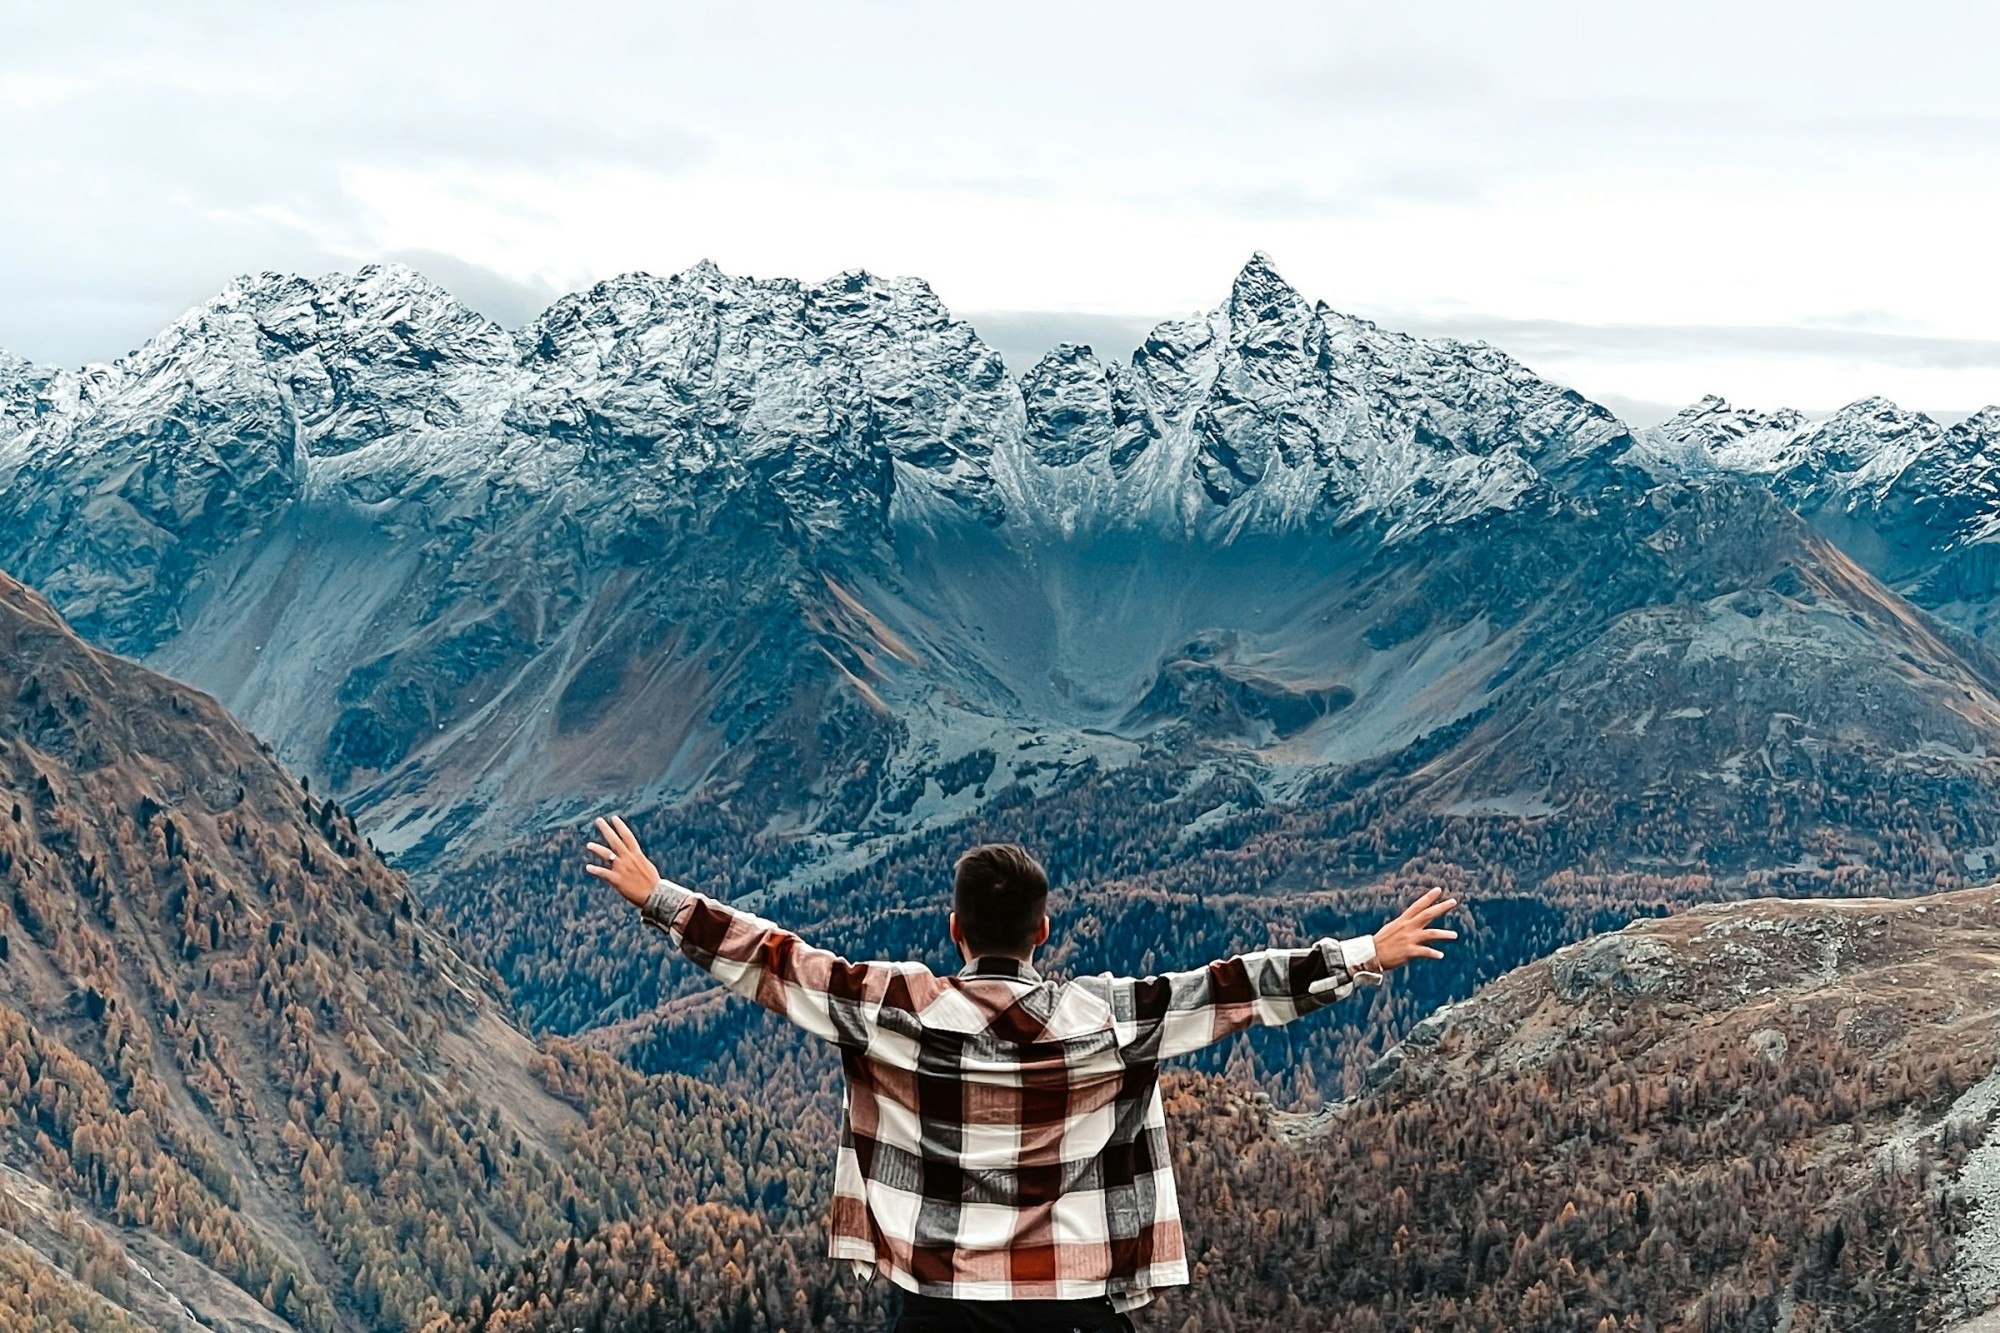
x=1422, y=952
x=1427, y=908
x=615, y=833
x=612, y=832
x=1428, y=897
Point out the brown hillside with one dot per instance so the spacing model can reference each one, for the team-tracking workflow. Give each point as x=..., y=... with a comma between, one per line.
x=1778, y=1114
x=246, y=1082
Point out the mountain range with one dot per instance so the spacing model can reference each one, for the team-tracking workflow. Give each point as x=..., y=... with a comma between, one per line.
x=813, y=547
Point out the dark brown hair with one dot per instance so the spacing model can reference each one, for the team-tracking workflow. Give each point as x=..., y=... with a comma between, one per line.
x=1000, y=893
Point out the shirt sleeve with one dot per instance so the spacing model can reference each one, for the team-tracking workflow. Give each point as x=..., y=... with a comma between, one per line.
x=1173, y=1013
x=819, y=991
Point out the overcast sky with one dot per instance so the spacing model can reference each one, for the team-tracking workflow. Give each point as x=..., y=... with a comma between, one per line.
x=1788, y=204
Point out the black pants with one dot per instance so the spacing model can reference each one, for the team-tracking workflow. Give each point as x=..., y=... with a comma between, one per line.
x=910, y=1312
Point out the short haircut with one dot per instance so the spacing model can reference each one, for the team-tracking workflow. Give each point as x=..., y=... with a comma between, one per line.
x=1000, y=893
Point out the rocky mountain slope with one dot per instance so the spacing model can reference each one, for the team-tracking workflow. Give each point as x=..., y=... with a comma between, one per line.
x=474, y=578
x=1916, y=502
x=246, y=1083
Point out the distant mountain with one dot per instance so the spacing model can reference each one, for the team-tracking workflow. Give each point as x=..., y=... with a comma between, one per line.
x=1916, y=502
x=1285, y=603
x=474, y=578
x=247, y=1084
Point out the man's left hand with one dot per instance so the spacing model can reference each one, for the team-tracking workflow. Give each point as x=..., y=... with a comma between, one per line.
x=628, y=870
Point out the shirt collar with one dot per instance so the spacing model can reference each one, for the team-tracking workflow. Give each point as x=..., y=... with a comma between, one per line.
x=999, y=965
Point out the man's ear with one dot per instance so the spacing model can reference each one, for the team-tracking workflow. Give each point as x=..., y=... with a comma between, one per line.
x=1042, y=935
x=957, y=935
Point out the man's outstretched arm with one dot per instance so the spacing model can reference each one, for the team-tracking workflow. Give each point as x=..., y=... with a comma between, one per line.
x=1173, y=1013
x=818, y=990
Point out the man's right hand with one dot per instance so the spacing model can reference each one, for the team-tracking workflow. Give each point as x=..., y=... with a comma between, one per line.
x=628, y=869
x=1407, y=936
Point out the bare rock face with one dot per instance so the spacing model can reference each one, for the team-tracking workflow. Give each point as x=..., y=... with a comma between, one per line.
x=437, y=563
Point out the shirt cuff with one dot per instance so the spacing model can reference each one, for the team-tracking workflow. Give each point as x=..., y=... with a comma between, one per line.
x=663, y=904
x=1350, y=962
x=1359, y=954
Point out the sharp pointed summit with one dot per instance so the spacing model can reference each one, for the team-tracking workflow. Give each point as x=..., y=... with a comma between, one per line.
x=1260, y=294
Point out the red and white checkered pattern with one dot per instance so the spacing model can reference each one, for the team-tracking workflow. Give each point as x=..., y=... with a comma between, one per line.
x=1003, y=1137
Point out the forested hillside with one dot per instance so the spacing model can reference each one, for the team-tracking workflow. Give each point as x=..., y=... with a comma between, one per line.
x=246, y=1082
x=1751, y=1118
x=250, y=1084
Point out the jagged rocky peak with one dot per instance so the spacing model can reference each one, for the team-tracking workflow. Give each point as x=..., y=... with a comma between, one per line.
x=623, y=324
x=383, y=317
x=701, y=322
x=18, y=373
x=1870, y=441
x=28, y=392
x=842, y=395
x=1985, y=423
x=857, y=299
x=1716, y=428
x=1266, y=313
x=1952, y=486
x=333, y=362
x=1270, y=413
x=1968, y=458
x=1414, y=428
x=200, y=396
x=1077, y=407
x=1849, y=459
x=386, y=315
x=939, y=398
x=1067, y=398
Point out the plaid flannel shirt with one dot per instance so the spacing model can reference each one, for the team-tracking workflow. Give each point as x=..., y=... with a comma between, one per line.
x=1002, y=1135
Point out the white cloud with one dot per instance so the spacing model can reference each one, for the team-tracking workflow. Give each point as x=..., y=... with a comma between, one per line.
x=1607, y=185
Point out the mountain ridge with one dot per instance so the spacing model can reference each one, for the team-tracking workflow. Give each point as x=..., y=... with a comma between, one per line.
x=369, y=449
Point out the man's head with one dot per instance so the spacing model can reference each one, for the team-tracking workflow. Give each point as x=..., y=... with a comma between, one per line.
x=999, y=901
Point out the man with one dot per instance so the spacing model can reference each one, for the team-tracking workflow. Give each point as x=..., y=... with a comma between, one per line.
x=1003, y=1156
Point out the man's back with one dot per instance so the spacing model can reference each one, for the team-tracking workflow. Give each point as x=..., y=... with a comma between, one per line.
x=998, y=1145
